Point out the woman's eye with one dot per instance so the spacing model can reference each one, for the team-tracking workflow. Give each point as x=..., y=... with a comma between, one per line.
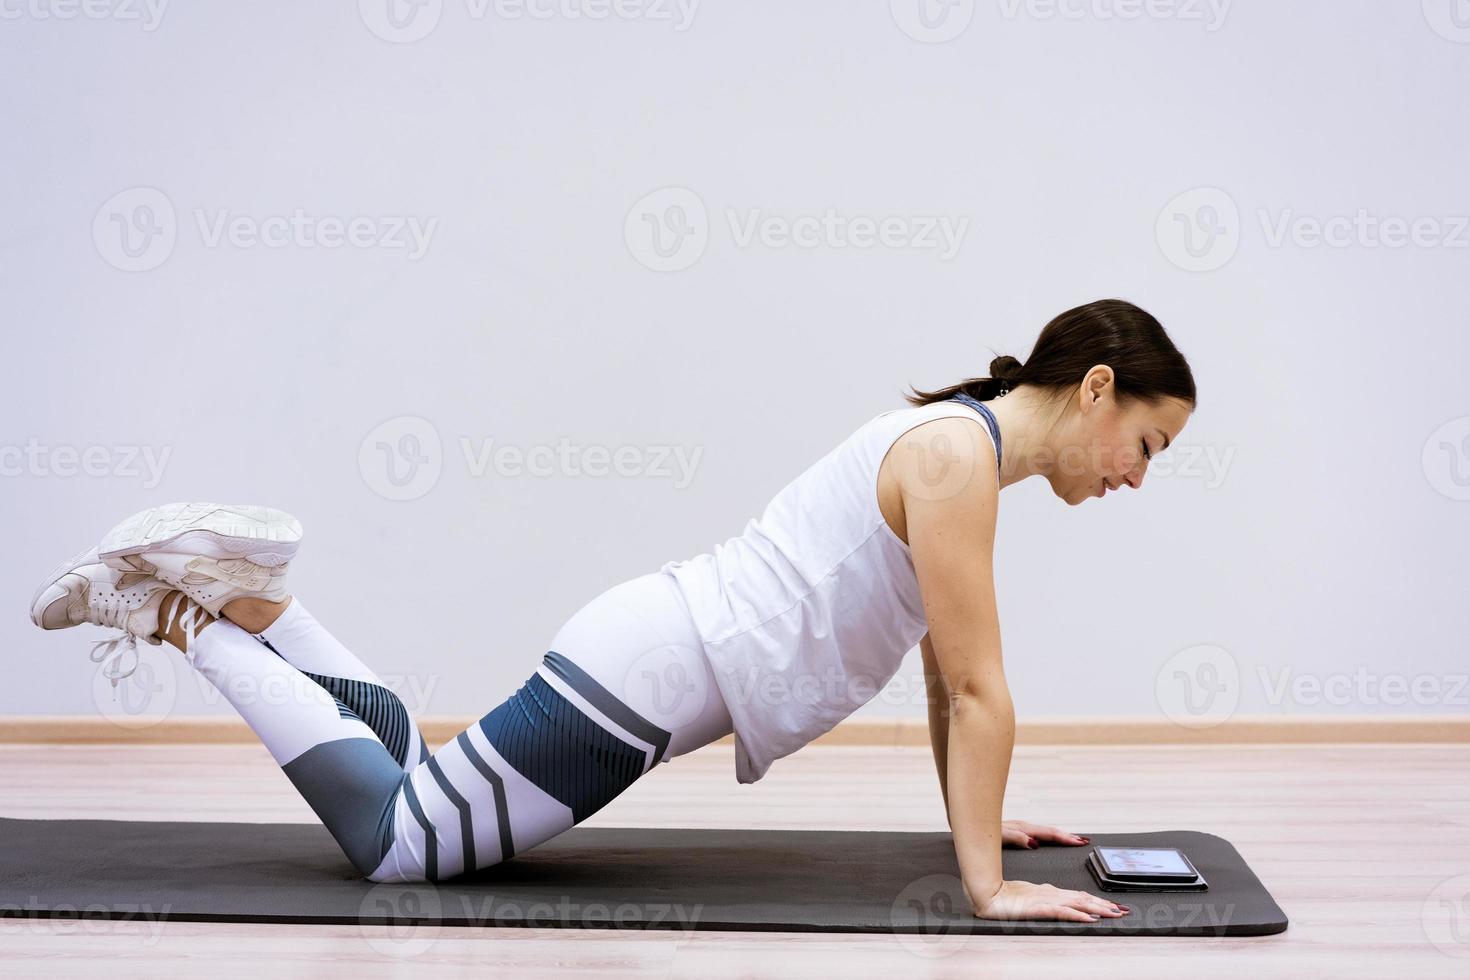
x=1146, y=453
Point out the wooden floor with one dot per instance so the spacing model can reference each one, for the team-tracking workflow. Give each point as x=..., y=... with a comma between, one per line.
x=1366, y=847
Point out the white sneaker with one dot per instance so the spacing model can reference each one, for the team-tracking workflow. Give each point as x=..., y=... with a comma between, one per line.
x=213, y=553
x=82, y=590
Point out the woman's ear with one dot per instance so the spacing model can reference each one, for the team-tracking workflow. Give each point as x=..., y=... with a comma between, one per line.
x=1096, y=385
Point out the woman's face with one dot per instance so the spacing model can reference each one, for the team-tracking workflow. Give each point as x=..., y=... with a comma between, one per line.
x=1106, y=444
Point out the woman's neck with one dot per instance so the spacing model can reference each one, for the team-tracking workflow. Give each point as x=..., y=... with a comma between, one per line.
x=1026, y=419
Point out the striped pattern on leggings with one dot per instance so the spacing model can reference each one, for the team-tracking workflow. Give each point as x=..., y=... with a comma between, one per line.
x=555, y=752
x=550, y=756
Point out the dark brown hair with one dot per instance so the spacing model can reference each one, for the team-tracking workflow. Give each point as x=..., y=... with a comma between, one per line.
x=1146, y=364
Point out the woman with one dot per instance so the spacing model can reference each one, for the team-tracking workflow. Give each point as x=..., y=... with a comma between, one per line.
x=776, y=635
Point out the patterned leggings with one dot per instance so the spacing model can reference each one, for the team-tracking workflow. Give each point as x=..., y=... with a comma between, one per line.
x=626, y=686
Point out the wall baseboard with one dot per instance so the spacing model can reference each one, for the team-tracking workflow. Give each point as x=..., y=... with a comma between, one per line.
x=1260, y=729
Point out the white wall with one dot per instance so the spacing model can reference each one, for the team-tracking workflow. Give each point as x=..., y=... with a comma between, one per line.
x=1326, y=535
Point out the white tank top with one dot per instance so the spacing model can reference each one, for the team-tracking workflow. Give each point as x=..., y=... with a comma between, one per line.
x=808, y=613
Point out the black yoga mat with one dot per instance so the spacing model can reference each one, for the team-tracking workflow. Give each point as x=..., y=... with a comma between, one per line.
x=638, y=878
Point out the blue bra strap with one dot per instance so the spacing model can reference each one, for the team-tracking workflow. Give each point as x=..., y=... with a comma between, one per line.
x=989, y=418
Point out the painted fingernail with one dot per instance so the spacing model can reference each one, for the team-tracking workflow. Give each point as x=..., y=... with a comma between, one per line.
x=1095, y=917
x=1032, y=843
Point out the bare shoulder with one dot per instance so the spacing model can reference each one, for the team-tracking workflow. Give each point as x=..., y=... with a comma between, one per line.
x=945, y=465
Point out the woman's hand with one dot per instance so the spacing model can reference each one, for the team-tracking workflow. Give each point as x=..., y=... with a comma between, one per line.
x=1024, y=900
x=1019, y=833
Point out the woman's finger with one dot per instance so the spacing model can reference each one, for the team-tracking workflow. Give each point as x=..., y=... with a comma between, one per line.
x=1013, y=837
x=1100, y=906
x=1058, y=835
x=1074, y=840
x=1063, y=912
x=1026, y=834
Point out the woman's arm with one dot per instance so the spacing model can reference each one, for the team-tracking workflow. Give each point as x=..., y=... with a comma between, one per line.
x=1014, y=833
x=949, y=506
x=938, y=696
x=948, y=493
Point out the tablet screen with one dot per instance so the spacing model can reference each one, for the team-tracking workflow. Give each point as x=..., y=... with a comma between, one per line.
x=1144, y=860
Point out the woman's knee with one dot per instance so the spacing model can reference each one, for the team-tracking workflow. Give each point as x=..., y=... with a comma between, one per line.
x=353, y=785
x=393, y=876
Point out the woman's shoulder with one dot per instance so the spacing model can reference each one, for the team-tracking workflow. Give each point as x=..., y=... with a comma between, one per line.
x=941, y=449
x=935, y=431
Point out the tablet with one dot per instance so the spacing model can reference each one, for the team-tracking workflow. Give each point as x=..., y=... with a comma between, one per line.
x=1144, y=881
x=1146, y=864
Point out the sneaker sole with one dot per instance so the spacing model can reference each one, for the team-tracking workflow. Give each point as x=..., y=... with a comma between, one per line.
x=263, y=535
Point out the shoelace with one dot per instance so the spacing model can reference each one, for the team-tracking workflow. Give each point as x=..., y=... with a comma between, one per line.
x=190, y=622
x=111, y=610
x=110, y=652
